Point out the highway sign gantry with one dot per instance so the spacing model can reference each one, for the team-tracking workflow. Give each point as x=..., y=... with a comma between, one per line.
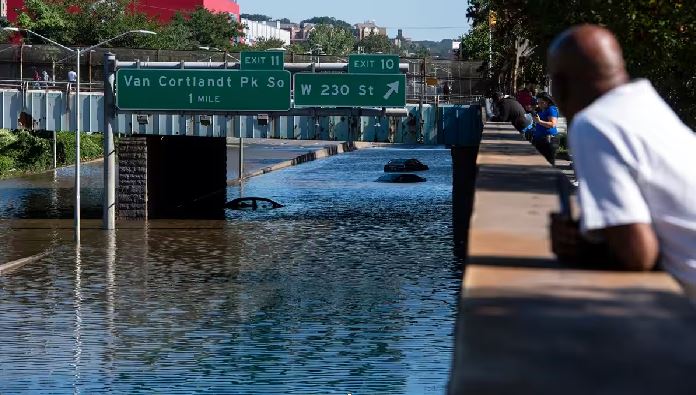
x=373, y=64
x=202, y=90
x=350, y=90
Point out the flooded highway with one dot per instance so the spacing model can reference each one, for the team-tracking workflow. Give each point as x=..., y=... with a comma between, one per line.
x=350, y=288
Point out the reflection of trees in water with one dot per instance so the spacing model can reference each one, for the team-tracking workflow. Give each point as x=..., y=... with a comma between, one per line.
x=48, y=203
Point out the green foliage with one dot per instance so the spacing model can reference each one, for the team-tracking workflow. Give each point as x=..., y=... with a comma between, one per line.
x=91, y=147
x=658, y=38
x=24, y=151
x=474, y=44
x=210, y=29
x=297, y=48
x=49, y=19
x=332, y=40
x=264, y=44
x=256, y=17
x=7, y=165
x=329, y=20
x=376, y=43
x=27, y=152
x=284, y=20
x=88, y=22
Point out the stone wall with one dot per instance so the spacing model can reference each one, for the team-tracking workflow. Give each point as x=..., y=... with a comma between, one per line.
x=131, y=196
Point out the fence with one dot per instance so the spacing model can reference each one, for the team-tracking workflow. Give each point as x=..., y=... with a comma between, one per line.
x=426, y=78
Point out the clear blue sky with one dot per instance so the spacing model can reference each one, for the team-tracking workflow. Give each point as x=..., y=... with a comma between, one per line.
x=421, y=20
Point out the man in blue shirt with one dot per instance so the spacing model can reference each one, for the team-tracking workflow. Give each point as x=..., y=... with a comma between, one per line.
x=545, y=136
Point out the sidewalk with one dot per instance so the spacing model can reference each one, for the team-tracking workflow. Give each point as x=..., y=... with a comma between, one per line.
x=526, y=325
x=265, y=155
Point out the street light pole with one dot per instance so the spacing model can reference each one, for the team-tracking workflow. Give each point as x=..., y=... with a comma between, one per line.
x=78, y=125
x=78, y=122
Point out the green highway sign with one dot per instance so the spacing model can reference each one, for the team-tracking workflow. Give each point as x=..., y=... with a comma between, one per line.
x=350, y=90
x=373, y=64
x=269, y=60
x=205, y=90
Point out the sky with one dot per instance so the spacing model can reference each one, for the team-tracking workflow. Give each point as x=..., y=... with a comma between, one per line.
x=421, y=20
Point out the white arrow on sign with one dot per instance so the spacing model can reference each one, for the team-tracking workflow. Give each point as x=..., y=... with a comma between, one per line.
x=393, y=88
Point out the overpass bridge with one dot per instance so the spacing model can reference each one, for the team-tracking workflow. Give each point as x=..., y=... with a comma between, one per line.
x=54, y=110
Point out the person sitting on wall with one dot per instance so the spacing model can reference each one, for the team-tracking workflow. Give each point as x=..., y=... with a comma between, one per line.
x=509, y=110
x=545, y=135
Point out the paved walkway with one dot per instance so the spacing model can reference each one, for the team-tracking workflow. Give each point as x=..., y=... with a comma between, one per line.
x=526, y=325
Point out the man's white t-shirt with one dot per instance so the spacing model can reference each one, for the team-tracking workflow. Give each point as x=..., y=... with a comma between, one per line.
x=636, y=163
x=72, y=76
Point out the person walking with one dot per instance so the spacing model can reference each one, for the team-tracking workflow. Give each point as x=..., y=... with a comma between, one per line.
x=45, y=78
x=636, y=187
x=545, y=136
x=37, y=79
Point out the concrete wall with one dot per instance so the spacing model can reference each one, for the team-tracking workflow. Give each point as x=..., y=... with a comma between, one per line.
x=55, y=110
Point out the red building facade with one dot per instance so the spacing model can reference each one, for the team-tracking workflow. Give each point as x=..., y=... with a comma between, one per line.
x=163, y=10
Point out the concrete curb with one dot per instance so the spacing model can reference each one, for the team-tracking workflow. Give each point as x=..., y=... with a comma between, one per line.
x=327, y=151
x=7, y=267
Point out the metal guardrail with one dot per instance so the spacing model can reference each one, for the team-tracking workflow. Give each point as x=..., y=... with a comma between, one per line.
x=62, y=86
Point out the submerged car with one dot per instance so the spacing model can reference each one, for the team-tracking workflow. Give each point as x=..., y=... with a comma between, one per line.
x=401, y=178
x=396, y=165
x=253, y=204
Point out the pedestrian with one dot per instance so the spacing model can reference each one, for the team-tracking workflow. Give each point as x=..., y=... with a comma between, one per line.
x=46, y=78
x=545, y=135
x=634, y=159
x=446, y=92
x=37, y=79
x=525, y=96
x=72, y=76
x=509, y=110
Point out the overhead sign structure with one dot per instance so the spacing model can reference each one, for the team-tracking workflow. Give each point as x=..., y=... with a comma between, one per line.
x=350, y=90
x=373, y=64
x=206, y=90
x=257, y=60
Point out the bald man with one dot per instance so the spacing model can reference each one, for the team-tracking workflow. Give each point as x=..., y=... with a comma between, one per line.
x=634, y=158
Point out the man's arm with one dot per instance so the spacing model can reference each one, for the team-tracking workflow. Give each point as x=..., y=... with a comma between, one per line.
x=635, y=245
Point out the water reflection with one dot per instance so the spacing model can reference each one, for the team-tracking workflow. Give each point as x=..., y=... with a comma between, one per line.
x=350, y=288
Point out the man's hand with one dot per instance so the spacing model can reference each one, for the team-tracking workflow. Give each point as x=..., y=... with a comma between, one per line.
x=565, y=238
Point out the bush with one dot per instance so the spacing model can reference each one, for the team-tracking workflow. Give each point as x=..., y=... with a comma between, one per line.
x=90, y=147
x=7, y=164
x=32, y=151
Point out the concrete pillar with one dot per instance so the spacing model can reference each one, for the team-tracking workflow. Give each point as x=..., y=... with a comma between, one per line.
x=464, y=170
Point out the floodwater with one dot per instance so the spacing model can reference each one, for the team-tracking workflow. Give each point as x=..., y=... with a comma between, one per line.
x=351, y=288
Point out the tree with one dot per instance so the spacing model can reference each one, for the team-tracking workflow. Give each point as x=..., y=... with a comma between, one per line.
x=264, y=44
x=331, y=40
x=658, y=38
x=211, y=29
x=285, y=20
x=474, y=44
x=48, y=19
x=329, y=20
x=256, y=17
x=375, y=43
x=298, y=48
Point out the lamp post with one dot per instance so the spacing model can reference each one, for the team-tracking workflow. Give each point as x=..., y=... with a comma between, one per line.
x=78, y=52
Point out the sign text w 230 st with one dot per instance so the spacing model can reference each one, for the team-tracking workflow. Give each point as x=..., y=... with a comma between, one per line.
x=212, y=90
